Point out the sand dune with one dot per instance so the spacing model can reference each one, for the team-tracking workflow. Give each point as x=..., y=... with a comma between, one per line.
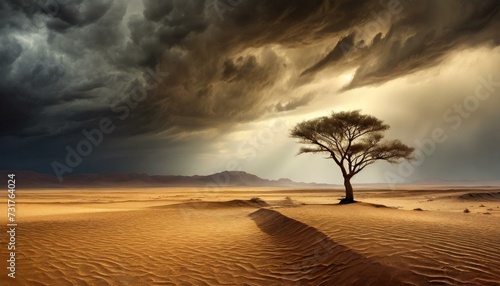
x=164, y=238
x=493, y=196
x=442, y=248
x=255, y=203
x=315, y=259
x=145, y=247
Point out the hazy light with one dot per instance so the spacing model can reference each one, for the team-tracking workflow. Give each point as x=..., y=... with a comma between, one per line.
x=347, y=78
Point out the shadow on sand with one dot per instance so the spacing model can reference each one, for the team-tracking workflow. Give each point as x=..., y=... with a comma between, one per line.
x=315, y=259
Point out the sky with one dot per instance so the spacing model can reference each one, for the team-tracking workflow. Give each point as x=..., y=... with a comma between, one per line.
x=187, y=87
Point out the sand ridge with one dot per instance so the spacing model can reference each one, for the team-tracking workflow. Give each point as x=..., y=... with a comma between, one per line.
x=443, y=248
x=315, y=259
x=161, y=238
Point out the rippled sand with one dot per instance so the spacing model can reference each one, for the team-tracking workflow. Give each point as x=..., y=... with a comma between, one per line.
x=442, y=248
x=165, y=237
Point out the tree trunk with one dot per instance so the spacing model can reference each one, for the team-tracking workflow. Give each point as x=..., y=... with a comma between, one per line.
x=349, y=195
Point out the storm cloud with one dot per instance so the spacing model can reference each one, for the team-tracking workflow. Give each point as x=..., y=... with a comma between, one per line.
x=67, y=65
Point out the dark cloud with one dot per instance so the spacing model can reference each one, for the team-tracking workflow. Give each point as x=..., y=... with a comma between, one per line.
x=231, y=62
x=420, y=36
x=16, y=113
x=222, y=72
x=295, y=103
x=10, y=50
x=78, y=14
x=292, y=23
x=65, y=67
x=156, y=10
x=340, y=51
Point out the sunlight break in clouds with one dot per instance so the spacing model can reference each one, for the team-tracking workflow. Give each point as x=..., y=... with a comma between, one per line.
x=405, y=62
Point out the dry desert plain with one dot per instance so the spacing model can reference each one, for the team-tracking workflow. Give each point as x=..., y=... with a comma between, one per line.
x=188, y=236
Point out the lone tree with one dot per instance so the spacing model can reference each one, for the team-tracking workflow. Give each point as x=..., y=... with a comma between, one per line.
x=353, y=140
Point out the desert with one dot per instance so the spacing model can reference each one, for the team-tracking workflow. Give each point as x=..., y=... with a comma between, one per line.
x=249, y=142
x=256, y=236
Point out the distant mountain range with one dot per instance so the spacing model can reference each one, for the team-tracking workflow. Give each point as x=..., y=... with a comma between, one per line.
x=31, y=179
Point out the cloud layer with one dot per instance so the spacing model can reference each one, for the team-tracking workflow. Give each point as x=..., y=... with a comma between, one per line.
x=68, y=65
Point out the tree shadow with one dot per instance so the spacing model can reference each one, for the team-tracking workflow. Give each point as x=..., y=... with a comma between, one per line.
x=313, y=258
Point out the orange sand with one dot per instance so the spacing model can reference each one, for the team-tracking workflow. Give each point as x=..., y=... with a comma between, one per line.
x=168, y=236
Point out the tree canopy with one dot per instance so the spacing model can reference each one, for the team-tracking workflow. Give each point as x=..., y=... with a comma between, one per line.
x=353, y=140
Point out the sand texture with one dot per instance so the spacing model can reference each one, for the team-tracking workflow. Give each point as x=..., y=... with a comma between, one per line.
x=290, y=237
